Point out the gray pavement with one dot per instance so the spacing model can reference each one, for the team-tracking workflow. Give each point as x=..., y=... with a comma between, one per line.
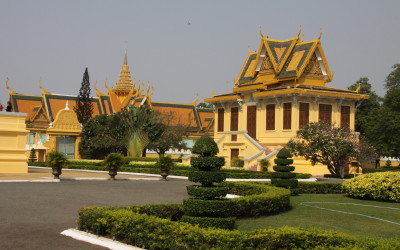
x=32, y=215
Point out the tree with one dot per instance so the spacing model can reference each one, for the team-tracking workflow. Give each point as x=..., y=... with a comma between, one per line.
x=325, y=144
x=84, y=106
x=171, y=137
x=365, y=107
x=393, y=79
x=101, y=136
x=142, y=125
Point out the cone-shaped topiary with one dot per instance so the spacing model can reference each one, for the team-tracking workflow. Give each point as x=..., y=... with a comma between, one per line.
x=282, y=177
x=208, y=207
x=32, y=155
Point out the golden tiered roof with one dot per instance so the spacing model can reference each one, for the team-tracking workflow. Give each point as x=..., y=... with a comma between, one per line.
x=124, y=83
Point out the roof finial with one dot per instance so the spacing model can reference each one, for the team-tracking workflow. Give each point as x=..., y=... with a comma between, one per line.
x=42, y=89
x=105, y=83
x=66, y=106
x=261, y=34
x=125, y=58
x=299, y=32
x=10, y=91
x=320, y=33
x=248, y=49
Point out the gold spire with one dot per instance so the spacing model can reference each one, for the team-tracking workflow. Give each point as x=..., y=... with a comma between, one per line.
x=124, y=83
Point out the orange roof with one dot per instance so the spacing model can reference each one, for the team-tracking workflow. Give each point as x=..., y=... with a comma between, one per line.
x=185, y=115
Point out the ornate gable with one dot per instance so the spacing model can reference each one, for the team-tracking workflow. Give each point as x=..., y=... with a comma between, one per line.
x=39, y=118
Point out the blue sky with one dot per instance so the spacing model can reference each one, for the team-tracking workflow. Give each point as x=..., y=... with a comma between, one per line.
x=56, y=40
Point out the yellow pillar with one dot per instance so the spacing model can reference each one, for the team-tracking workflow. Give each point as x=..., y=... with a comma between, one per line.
x=12, y=143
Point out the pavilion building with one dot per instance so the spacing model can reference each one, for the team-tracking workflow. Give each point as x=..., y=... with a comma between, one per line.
x=53, y=124
x=279, y=89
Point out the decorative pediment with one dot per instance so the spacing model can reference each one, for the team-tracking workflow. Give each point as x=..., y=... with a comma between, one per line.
x=66, y=121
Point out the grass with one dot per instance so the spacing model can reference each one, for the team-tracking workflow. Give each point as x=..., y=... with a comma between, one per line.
x=312, y=217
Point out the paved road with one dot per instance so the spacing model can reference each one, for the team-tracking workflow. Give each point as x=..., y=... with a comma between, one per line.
x=32, y=215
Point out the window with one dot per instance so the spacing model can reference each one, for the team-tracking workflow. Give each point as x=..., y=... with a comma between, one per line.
x=325, y=113
x=252, y=121
x=345, y=117
x=287, y=115
x=43, y=138
x=234, y=121
x=31, y=138
x=304, y=111
x=221, y=120
x=270, y=117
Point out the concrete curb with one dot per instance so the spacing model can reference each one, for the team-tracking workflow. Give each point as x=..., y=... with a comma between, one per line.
x=52, y=180
x=155, y=175
x=96, y=240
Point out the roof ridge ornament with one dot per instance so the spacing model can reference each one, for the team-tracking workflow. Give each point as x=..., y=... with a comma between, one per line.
x=320, y=34
x=299, y=32
x=66, y=105
x=44, y=92
x=261, y=33
x=10, y=91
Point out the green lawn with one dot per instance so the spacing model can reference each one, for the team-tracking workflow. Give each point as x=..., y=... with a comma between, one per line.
x=312, y=217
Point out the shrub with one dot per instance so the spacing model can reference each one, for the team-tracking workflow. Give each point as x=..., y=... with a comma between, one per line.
x=113, y=161
x=205, y=147
x=265, y=164
x=164, y=163
x=207, y=178
x=206, y=193
x=222, y=223
x=56, y=159
x=282, y=177
x=237, y=163
x=377, y=186
x=207, y=163
x=32, y=155
x=388, y=164
x=345, y=176
x=208, y=208
x=151, y=232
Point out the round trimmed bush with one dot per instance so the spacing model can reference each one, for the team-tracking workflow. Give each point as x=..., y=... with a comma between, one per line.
x=383, y=186
x=207, y=163
x=284, y=153
x=283, y=161
x=223, y=223
x=207, y=178
x=205, y=146
x=283, y=175
x=208, y=208
x=286, y=183
x=283, y=168
x=206, y=192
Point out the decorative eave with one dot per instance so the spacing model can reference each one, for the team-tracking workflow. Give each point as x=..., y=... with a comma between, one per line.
x=311, y=92
x=243, y=88
x=223, y=98
x=10, y=91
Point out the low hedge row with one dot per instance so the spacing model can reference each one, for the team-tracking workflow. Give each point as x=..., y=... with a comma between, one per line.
x=346, y=176
x=151, y=232
x=378, y=170
x=383, y=186
x=258, y=199
x=206, y=193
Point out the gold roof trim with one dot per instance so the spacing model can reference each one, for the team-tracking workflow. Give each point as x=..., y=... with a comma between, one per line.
x=44, y=92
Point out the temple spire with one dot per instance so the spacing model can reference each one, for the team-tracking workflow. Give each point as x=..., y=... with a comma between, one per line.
x=124, y=84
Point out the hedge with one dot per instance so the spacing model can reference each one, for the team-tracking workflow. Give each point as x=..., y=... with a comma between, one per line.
x=376, y=186
x=151, y=232
x=207, y=163
x=206, y=193
x=224, y=223
x=377, y=170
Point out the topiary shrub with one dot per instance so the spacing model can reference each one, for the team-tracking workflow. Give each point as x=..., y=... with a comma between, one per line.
x=32, y=156
x=265, y=164
x=207, y=201
x=384, y=186
x=205, y=147
x=282, y=177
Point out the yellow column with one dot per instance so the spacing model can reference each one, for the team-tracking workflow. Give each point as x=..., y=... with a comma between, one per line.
x=12, y=143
